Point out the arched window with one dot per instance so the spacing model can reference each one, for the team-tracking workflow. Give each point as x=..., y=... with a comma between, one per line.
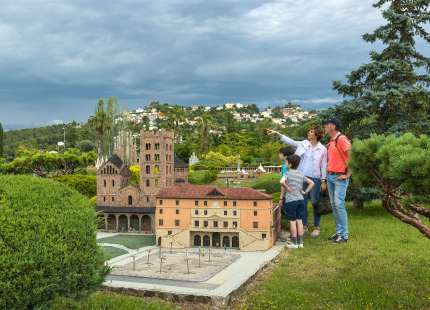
x=148, y=157
x=113, y=182
x=130, y=200
x=170, y=157
x=170, y=147
x=197, y=240
x=104, y=198
x=147, y=199
x=104, y=183
x=156, y=182
x=148, y=169
x=113, y=199
x=167, y=147
x=157, y=170
x=101, y=172
x=147, y=183
x=105, y=168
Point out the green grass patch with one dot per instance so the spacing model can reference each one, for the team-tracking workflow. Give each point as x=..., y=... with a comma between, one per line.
x=112, y=252
x=109, y=301
x=269, y=182
x=197, y=177
x=130, y=241
x=384, y=266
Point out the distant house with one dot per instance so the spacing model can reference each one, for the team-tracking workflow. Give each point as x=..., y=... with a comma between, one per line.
x=194, y=107
x=229, y=105
x=246, y=105
x=294, y=119
x=139, y=110
x=190, y=122
x=239, y=105
x=238, y=118
x=197, y=117
x=277, y=120
x=207, y=108
x=219, y=108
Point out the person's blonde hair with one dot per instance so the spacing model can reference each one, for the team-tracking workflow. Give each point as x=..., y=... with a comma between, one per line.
x=319, y=132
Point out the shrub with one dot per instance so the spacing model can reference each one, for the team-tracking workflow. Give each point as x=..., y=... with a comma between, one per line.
x=93, y=201
x=135, y=177
x=269, y=182
x=277, y=197
x=211, y=176
x=208, y=165
x=248, y=159
x=86, y=146
x=48, y=244
x=218, y=157
x=197, y=178
x=85, y=184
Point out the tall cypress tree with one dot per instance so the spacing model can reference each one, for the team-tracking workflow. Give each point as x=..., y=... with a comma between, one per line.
x=1, y=140
x=387, y=94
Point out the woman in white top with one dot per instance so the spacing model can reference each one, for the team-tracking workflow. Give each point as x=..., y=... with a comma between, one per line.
x=313, y=164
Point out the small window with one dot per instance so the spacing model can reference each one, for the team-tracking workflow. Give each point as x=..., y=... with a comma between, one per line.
x=234, y=213
x=205, y=202
x=196, y=202
x=113, y=199
x=177, y=202
x=130, y=200
x=225, y=203
x=196, y=223
x=177, y=222
x=113, y=182
x=215, y=224
x=255, y=225
x=104, y=198
x=263, y=236
x=176, y=211
x=147, y=183
x=205, y=223
x=234, y=224
x=161, y=202
x=160, y=222
x=225, y=212
x=196, y=212
x=255, y=203
x=104, y=183
x=234, y=203
x=225, y=224
x=147, y=199
x=169, y=232
x=255, y=213
x=205, y=212
x=160, y=211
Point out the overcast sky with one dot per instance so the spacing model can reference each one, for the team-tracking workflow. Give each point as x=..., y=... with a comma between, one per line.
x=57, y=58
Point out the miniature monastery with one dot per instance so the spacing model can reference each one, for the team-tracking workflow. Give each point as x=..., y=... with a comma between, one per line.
x=181, y=215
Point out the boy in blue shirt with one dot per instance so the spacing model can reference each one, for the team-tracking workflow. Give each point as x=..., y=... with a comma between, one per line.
x=284, y=152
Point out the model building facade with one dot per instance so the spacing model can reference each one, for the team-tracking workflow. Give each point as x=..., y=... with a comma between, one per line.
x=208, y=216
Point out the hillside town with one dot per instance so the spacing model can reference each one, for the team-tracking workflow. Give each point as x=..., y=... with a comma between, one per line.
x=290, y=115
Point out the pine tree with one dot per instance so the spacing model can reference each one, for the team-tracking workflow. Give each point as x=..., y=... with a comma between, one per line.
x=388, y=96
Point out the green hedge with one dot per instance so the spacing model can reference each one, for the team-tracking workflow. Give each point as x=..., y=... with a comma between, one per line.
x=208, y=165
x=269, y=182
x=85, y=184
x=48, y=244
x=276, y=196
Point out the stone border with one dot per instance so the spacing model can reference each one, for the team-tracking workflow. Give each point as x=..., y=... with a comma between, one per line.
x=215, y=301
x=120, y=270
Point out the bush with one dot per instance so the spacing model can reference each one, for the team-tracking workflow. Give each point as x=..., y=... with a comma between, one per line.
x=211, y=176
x=86, y=146
x=248, y=159
x=135, y=176
x=269, y=182
x=277, y=197
x=48, y=244
x=197, y=178
x=208, y=165
x=219, y=158
x=93, y=201
x=85, y=184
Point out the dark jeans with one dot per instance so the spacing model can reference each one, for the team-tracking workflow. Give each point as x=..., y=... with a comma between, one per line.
x=315, y=194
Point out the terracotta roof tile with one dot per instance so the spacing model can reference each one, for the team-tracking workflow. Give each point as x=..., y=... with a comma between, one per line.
x=203, y=191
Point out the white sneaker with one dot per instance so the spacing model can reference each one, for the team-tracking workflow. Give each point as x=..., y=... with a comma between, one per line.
x=300, y=245
x=291, y=246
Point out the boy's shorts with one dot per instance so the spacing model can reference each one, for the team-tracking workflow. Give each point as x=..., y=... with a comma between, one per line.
x=295, y=210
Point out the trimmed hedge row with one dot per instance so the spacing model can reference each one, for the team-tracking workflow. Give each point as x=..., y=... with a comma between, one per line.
x=269, y=182
x=48, y=244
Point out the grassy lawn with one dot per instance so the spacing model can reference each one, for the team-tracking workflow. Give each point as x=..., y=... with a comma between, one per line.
x=384, y=266
x=197, y=177
x=112, y=252
x=107, y=301
x=130, y=241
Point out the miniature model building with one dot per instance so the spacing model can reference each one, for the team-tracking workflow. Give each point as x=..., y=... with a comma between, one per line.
x=125, y=147
x=205, y=215
x=259, y=172
x=131, y=208
x=242, y=175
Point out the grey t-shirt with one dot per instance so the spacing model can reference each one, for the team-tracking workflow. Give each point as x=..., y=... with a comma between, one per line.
x=294, y=180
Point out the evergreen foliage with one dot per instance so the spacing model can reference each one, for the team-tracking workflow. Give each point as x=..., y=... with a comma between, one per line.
x=48, y=244
x=1, y=141
x=269, y=182
x=211, y=175
x=84, y=184
x=400, y=167
x=388, y=96
x=86, y=146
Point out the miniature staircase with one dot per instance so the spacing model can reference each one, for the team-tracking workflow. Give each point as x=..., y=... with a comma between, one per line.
x=172, y=237
x=254, y=238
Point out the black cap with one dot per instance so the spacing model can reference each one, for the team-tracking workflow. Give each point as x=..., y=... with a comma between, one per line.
x=332, y=120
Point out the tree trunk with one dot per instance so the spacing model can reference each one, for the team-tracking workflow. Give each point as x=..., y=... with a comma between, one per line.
x=204, y=140
x=100, y=142
x=358, y=204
